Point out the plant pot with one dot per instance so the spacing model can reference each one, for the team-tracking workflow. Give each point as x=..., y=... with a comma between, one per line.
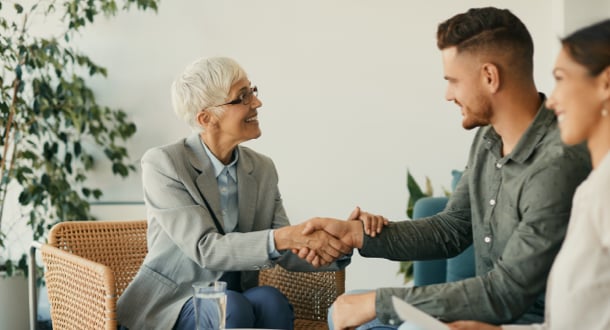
x=14, y=307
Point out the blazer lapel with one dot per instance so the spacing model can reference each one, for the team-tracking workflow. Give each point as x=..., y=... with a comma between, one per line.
x=206, y=180
x=247, y=188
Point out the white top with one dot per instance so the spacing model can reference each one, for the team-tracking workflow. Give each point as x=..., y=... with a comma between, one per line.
x=578, y=290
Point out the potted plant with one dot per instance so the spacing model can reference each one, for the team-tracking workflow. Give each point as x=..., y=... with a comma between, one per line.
x=415, y=193
x=50, y=121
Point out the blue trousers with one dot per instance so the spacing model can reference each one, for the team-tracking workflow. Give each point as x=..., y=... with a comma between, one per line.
x=259, y=307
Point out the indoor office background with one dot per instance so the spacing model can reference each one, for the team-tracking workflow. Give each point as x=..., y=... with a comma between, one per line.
x=352, y=92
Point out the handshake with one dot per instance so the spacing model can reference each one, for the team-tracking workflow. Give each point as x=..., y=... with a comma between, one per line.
x=321, y=241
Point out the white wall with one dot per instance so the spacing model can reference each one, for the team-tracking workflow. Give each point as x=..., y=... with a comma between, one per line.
x=580, y=13
x=353, y=94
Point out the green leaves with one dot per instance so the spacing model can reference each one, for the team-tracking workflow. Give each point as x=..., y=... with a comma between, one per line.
x=50, y=120
x=80, y=13
x=18, y=72
x=415, y=192
x=406, y=268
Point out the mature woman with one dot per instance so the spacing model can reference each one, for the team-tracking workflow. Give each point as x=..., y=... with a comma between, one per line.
x=578, y=292
x=215, y=212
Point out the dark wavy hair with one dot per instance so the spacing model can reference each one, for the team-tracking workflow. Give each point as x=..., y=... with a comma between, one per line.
x=590, y=46
x=489, y=30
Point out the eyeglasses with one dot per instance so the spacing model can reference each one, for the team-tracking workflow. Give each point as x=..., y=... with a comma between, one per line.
x=244, y=98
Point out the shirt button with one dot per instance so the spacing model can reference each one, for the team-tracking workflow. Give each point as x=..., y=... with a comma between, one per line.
x=492, y=202
x=498, y=165
x=487, y=239
x=391, y=321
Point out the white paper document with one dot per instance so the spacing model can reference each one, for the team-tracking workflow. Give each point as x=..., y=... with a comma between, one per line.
x=408, y=312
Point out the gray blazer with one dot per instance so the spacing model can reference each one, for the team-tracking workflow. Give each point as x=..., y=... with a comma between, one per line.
x=184, y=245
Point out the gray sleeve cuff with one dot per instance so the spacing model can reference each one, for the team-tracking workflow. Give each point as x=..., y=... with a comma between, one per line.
x=273, y=253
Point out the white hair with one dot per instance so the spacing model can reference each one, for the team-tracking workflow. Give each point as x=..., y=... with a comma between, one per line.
x=204, y=84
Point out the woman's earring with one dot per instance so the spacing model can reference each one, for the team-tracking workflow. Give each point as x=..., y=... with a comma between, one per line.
x=604, y=112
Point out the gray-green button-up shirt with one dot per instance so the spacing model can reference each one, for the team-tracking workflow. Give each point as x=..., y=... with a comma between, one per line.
x=514, y=209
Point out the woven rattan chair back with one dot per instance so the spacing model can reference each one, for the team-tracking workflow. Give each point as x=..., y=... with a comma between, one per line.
x=88, y=266
x=310, y=294
x=90, y=263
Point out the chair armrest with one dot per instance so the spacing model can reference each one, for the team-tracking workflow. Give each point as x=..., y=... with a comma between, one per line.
x=82, y=293
x=310, y=293
x=32, y=291
x=441, y=270
x=429, y=271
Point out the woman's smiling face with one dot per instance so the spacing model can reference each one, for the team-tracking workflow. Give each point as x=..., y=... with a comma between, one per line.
x=239, y=122
x=575, y=99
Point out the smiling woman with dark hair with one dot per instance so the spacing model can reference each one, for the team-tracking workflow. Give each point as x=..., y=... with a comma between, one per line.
x=579, y=284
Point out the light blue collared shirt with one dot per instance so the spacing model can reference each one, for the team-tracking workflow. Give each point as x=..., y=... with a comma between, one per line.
x=226, y=177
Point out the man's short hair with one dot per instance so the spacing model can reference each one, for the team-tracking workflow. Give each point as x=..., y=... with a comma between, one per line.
x=489, y=31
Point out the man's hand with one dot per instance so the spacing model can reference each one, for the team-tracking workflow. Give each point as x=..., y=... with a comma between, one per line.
x=373, y=224
x=353, y=310
x=349, y=232
x=323, y=247
x=472, y=325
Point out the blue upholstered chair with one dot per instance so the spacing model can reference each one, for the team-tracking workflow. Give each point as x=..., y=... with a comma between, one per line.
x=443, y=270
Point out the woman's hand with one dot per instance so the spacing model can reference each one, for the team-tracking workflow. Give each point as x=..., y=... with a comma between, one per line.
x=321, y=247
x=373, y=224
x=345, y=231
x=472, y=325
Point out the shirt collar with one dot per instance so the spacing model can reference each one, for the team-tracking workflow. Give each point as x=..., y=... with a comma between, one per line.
x=543, y=120
x=218, y=166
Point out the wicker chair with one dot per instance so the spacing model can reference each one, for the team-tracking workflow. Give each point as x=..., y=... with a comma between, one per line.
x=90, y=263
x=310, y=294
